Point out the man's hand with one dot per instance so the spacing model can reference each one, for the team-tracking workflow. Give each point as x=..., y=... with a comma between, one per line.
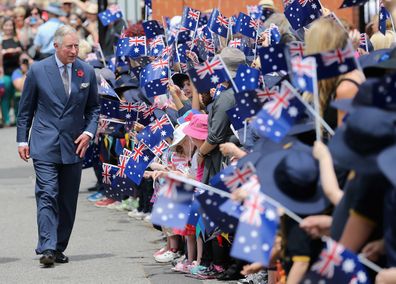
x=82, y=144
x=24, y=153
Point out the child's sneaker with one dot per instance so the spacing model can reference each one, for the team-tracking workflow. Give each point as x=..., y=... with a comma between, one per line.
x=159, y=252
x=166, y=257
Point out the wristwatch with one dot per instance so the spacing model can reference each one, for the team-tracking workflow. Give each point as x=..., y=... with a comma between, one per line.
x=200, y=154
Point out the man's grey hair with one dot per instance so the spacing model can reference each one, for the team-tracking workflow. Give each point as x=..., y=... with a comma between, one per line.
x=62, y=32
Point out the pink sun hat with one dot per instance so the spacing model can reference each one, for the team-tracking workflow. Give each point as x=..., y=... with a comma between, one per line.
x=198, y=127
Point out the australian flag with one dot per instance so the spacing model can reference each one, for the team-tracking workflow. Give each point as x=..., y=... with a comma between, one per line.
x=160, y=149
x=335, y=62
x=105, y=89
x=257, y=228
x=301, y=13
x=247, y=26
x=236, y=117
x=132, y=46
x=129, y=111
x=383, y=16
x=212, y=217
x=273, y=34
x=266, y=13
x=247, y=78
x=218, y=23
x=273, y=59
x=255, y=11
x=146, y=114
x=248, y=103
x=110, y=15
x=183, y=35
x=108, y=174
x=152, y=29
x=207, y=75
x=138, y=162
x=337, y=265
x=121, y=186
x=190, y=18
x=173, y=206
x=91, y=156
x=157, y=131
x=156, y=46
x=154, y=77
x=351, y=3
x=304, y=73
x=110, y=127
x=234, y=179
x=279, y=114
x=110, y=108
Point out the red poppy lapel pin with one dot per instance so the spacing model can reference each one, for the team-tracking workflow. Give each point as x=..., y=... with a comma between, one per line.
x=80, y=73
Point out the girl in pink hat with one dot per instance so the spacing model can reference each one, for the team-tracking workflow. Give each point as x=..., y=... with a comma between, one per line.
x=197, y=130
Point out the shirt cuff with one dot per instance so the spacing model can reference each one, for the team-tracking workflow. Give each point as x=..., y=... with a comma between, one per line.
x=23, y=144
x=89, y=134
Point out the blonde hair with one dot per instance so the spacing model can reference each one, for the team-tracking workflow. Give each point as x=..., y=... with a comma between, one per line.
x=280, y=20
x=20, y=11
x=379, y=41
x=325, y=35
x=84, y=49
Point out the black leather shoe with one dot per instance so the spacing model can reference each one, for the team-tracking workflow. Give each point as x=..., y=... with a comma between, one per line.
x=60, y=257
x=48, y=258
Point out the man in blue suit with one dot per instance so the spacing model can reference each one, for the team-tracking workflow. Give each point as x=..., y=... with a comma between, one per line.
x=60, y=97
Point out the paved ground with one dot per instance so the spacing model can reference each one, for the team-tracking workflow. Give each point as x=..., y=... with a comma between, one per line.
x=106, y=246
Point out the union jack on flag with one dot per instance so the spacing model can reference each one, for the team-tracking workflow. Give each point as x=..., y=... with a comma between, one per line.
x=218, y=23
x=190, y=19
x=253, y=208
x=257, y=228
x=209, y=67
x=338, y=55
x=169, y=190
x=208, y=74
x=304, y=73
x=160, y=64
x=106, y=173
x=158, y=124
x=138, y=40
x=235, y=43
x=337, y=265
x=296, y=48
x=159, y=150
x=238, y=177
x=279, y=102
x=329, y=259
x=137, y=151
x=123, y=161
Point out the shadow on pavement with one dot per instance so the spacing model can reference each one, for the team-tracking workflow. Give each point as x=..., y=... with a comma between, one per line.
x=83, y=257
x=8, y=259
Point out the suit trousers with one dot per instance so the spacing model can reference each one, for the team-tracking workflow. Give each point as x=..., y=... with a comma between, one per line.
x=57, y=187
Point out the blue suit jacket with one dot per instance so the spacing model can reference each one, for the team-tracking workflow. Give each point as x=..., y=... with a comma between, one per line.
x=58, y=119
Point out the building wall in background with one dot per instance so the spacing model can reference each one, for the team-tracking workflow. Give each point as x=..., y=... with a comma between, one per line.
x=172, y=8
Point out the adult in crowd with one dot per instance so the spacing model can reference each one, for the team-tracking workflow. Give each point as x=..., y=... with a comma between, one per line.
x=11, y=50
x=44, y=40
x=60, y=93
